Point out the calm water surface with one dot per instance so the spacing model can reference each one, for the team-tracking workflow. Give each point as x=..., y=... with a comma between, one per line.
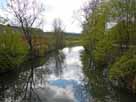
x=60, y=79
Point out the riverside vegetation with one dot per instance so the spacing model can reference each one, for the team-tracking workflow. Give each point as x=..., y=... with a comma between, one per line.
x=14, y=49
x=109, y=39
x=108, y=56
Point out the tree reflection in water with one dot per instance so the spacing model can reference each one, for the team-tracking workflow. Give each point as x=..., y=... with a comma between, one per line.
x=59, y=58
x=51, y=83
x=22, y=85
x=18, y=86
x=100, y=88
x=55, y=64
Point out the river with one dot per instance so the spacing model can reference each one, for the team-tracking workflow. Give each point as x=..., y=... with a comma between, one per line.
x=59, y=79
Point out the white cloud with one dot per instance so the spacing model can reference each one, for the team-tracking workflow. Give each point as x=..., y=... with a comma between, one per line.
x=64, y=10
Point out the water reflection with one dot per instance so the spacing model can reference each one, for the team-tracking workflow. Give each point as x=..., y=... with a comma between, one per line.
x=59, y=79
x=100, y=87
x=18, y=86
x=55, y=63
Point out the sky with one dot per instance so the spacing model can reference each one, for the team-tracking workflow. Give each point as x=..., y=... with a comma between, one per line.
x=66, y=10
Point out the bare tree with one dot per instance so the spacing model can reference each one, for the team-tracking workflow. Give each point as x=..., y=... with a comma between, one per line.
x=89, y=7
x=59, y=33
x=27, y=14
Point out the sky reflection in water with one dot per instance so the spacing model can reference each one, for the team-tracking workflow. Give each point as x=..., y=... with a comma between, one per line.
x=65, y=77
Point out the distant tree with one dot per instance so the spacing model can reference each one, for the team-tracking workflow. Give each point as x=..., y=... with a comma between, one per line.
x=58, y=33
x=27, y=14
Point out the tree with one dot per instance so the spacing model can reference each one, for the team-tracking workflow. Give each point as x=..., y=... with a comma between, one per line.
x=26, y=14
x=124, y=15
x=58, y=33
x=91, y=16
x=95, y=26
x=113, y=48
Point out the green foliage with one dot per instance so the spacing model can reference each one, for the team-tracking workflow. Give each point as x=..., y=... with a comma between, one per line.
x=112, y=47
x=104, y=51
x=12, y=49
x=95, y=27
x=124, y=65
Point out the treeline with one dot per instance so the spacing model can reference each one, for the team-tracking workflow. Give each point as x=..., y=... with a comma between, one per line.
x=109, y=39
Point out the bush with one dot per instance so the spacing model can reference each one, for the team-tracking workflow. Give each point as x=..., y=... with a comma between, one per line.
x=12, y=49
x=124, y=66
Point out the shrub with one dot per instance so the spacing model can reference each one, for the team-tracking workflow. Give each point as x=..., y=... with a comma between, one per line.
x=124, y=66
x=12, y=49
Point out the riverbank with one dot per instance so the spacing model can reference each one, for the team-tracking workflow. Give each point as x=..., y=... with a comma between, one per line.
x=14, y=49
